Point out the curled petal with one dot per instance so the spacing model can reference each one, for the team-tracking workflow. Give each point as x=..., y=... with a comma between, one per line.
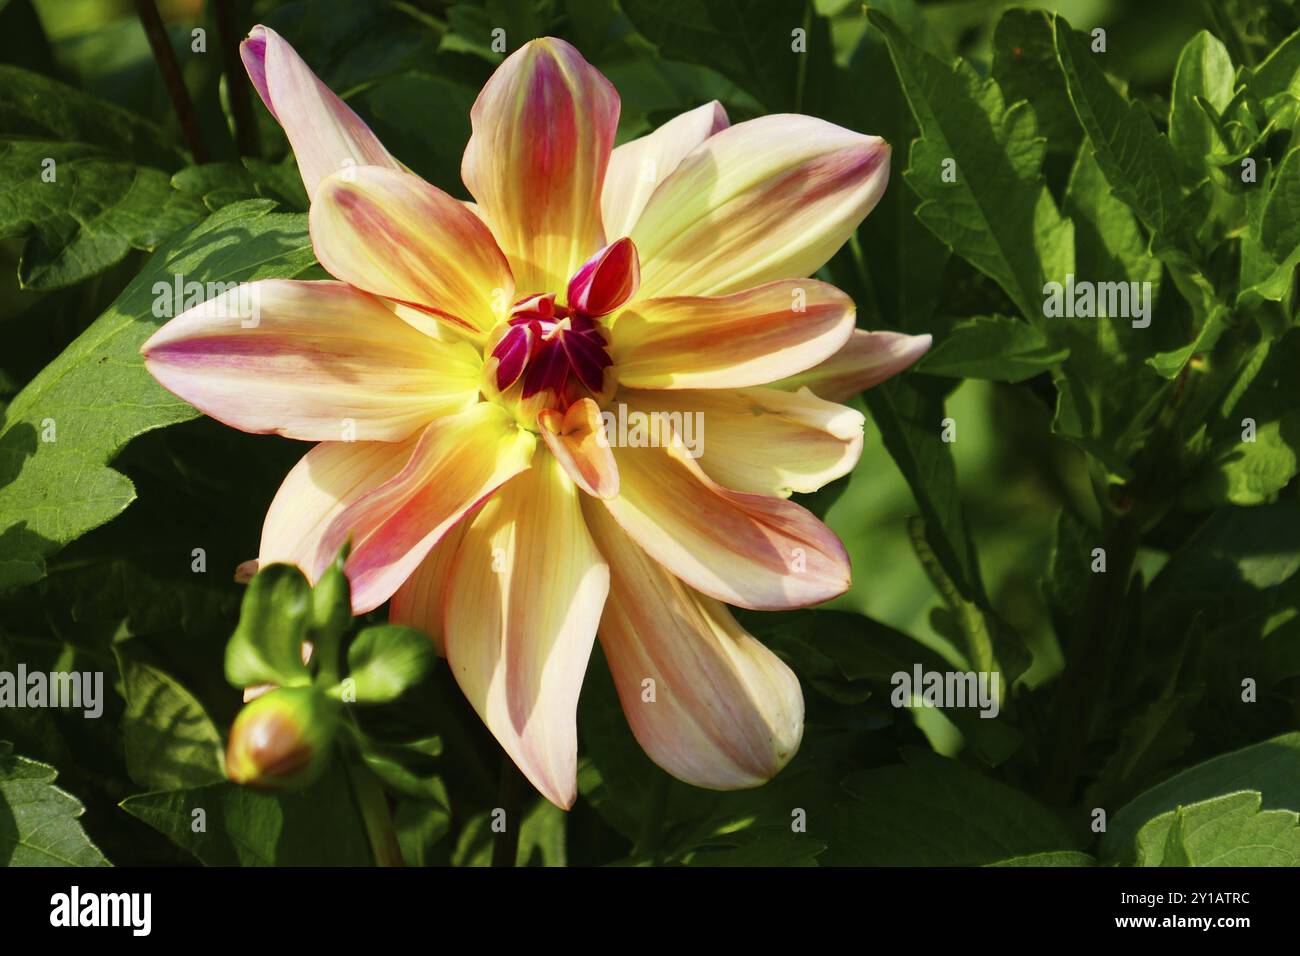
x=727, y=712
x=326, y=135
x=525, y=596
x=866, y=360
x=637, y=167
x=750, y=550
x=319, y=361
x=770, y=198
x=730, y=341
x=606, y=280
x=329, y=478
x=763, y=440
x=457, y=463
x=577, y=440
x=392, y=234
x=543, y=128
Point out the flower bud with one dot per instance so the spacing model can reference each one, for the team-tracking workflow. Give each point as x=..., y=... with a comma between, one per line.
x=282, y=739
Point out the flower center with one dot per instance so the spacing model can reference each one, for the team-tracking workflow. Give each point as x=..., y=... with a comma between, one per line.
x=549, y=354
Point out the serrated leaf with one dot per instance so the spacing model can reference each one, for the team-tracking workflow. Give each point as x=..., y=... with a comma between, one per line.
x=998, y=214
x=96, y=396
x=1226, y=831
x=994, y=347
x=39, y=823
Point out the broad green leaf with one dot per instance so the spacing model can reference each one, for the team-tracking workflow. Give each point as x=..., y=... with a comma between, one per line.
x=89, y=216
x=1271, y=768
x=39, y=823
x=318, y=826
x=994, y=347
x=1204, y=72
x=997, y=214
x=1279, y=232
x=171, y=742
x=1025, y=66
x=274, y=618
x=931, y=811
x=61, y=431
x=1225, y=831
x=386, y=659
x=1250, y=472
x=35, y=107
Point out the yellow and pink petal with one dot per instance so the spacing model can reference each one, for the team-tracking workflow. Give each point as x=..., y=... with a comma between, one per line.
x=866, y=360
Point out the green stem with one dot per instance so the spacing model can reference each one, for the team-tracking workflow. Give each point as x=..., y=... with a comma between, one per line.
x=373, y=803
x=165, y=56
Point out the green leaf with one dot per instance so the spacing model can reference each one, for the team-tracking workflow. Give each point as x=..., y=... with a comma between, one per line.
x=1250, y=472
x=1271, y=768
x=1058, y=858
x=61, y=431
x=932, y=811
x=408, y=767
x=171, y=743
x=266, y=647
x=994, y=347
x=998, y=214
x=386, y=659
x=1204, y=72
x=420, y=826
x=35, y=107
x=39, y=823
x=1226, y=831
x=89, y=217
x=1278, y=242
x=541, y=838
x=1025, y=66
x=317, y=826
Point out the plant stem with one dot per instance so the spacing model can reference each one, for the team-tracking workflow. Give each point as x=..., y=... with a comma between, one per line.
x=373, y=803
x=172, y=79
x=241, y=103
x=510, y=799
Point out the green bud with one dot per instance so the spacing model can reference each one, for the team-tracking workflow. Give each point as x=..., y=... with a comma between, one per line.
x=282, y=739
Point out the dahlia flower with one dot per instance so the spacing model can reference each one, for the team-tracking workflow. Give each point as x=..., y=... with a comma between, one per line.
x=455, y=375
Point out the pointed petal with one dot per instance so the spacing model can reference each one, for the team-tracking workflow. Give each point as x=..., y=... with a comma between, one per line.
x=749, y=550
x=747, y=338
x=867, y=359
x=421, y=601
x=457, y=463
x=727, y=713
x=770, y=198
x=638, y=166
x=577, y=440
x=526, y=592
x=392, y=234
x=543, y=130
x=762, y=440
x=318, y=361
x=325, y=481
x=606, y=280
x=326, y=135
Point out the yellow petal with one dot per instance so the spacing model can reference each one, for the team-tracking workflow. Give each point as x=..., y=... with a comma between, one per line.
x=543, y=128
x=866, y=360
x=577, y=440
x=762, y=440
x=770, y=198
x=726, y=712
x=747, y=338
x=525, y=596
x=638, y=166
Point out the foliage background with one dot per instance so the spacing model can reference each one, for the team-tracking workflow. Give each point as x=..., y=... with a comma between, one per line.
x=1070, y=436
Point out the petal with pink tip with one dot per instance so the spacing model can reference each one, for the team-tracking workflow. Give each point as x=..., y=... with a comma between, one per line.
x=637, y=167
x=543, y=128
x=727, y=713
x=750, y=550
x=866, y=360
x=392, y=234
x=731, y=341
x=319, y=361
x=763, y=440
x=606, y=280
x=525, y=596
x=325, y=481
x=577, y=440
x=458, y=462
x=326, y=135
x=770, y=198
